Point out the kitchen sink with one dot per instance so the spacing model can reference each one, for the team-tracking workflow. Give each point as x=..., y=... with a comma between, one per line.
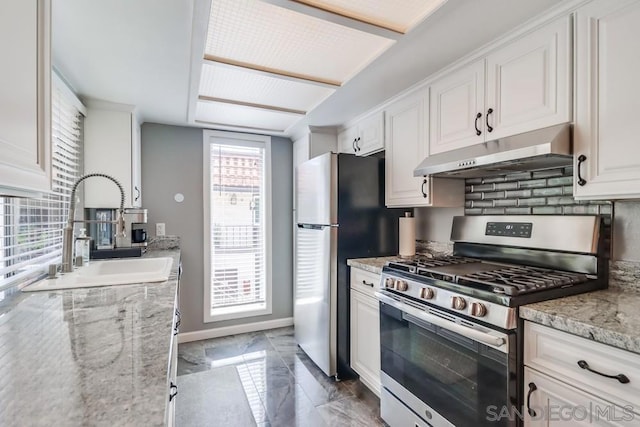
x=106, y=273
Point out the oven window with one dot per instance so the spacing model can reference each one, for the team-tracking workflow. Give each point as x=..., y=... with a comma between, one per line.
x=456, y=376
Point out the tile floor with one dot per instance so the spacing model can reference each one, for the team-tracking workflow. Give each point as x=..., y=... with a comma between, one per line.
x=264, y=379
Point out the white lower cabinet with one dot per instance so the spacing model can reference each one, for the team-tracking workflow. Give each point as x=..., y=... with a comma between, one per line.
x=172, y=387
x=549, y=402
x=365, y=328
x=572, y=381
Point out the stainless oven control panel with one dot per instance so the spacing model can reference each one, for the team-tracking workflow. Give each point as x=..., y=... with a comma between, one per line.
x=489, y=312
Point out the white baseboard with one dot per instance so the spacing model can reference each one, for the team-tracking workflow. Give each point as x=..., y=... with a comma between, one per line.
x=233, y=330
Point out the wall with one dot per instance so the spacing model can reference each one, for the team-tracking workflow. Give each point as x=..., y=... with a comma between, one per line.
x=172, y=163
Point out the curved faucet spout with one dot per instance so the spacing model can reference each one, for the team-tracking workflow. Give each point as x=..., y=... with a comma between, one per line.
x=67, y=239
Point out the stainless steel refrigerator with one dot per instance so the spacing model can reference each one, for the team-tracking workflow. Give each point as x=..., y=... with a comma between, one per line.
x=340, y=214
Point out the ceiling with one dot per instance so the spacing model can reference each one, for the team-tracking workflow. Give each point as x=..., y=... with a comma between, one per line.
x=256, y=72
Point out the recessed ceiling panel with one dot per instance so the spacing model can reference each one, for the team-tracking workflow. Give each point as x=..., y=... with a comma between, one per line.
x=217, y=113
x=395, y=15
x=268, y=37
x=218, y=81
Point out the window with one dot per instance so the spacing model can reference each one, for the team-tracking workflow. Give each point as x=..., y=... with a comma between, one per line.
x=237, y=218
x=31, y=228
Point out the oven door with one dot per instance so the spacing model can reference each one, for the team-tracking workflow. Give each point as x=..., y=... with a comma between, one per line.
x=447, y=370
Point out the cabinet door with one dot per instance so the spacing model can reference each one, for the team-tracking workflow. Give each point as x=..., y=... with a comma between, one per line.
x=370, y=137
x=365, y=339
x=25, y=95
x=607, y=153
x=529, y=82
x=406, y=136
x=456, y=101
x=558, y=404
x=107, y=150
x=347, y=140
x=136, y=164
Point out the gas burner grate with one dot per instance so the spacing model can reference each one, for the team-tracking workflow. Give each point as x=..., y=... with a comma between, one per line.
x=520, y=280
x=417, y=264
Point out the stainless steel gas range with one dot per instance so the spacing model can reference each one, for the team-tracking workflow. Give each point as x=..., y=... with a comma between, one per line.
x=451, y=341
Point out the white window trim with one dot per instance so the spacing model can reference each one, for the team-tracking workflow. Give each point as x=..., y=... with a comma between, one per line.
x=210, y=136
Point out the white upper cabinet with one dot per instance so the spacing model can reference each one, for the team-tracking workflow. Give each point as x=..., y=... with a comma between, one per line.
x=607, y=153
x=406, y=146
x=457, y=101
x=347, y=140
x=522, y=86
x=529, y=82
x=25, y=96
x=112, y=146
x=365, y=137
x=370, y=134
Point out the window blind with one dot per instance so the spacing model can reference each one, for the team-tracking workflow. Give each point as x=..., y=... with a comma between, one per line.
x=31, y=228
x=237, y=185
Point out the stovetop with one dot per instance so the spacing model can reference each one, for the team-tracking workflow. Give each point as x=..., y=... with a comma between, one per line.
x=482, y=290
x=497, y=278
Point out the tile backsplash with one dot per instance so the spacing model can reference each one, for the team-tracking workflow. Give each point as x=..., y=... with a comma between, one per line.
x=546, y=192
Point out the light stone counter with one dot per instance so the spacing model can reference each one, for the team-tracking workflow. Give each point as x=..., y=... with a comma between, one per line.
x=423, y=249
x=608, y=316
x=93, y=356
x=373, y=265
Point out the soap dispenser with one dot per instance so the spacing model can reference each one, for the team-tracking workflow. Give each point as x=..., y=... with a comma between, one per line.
x=83, y=246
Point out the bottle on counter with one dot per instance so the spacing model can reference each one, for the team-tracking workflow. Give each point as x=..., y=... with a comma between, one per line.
x=83, y=246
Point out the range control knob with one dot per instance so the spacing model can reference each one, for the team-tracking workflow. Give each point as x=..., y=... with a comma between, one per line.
x=401, y=285
x=426, y=293
x=478, y=309
x=458, y=303
x=389, y=283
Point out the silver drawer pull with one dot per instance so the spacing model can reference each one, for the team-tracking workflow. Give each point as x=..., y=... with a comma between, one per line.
x=620, y=377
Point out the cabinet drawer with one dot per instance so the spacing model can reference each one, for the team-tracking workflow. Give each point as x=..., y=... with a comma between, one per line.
x=558, y=353
x=555, y=403
x=364, y=281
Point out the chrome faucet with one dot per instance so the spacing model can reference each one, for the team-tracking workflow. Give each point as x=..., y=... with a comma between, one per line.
x=67, y=238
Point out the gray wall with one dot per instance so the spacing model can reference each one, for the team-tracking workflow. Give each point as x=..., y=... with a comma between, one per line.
x=172, y=163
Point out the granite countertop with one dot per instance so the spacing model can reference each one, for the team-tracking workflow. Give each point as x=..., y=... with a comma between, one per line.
x=373, y=265
x=609, y=316
x=424, y=249
x=92, y=356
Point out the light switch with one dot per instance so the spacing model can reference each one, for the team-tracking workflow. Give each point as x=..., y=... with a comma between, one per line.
x=160, y=229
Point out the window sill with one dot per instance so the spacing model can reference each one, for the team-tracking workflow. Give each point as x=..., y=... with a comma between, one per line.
x=229, y=313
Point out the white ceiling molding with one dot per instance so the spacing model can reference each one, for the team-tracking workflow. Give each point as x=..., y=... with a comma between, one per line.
x=272, y=71
x=202, y=98
x=244, y=117
x=219, y=81
x=312, y=9
x=269, y=74
x=398, y=17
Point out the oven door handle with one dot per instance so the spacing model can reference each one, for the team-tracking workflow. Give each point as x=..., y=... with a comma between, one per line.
x=465, y=331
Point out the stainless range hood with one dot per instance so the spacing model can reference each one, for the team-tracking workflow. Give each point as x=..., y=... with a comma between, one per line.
x=541, y=149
